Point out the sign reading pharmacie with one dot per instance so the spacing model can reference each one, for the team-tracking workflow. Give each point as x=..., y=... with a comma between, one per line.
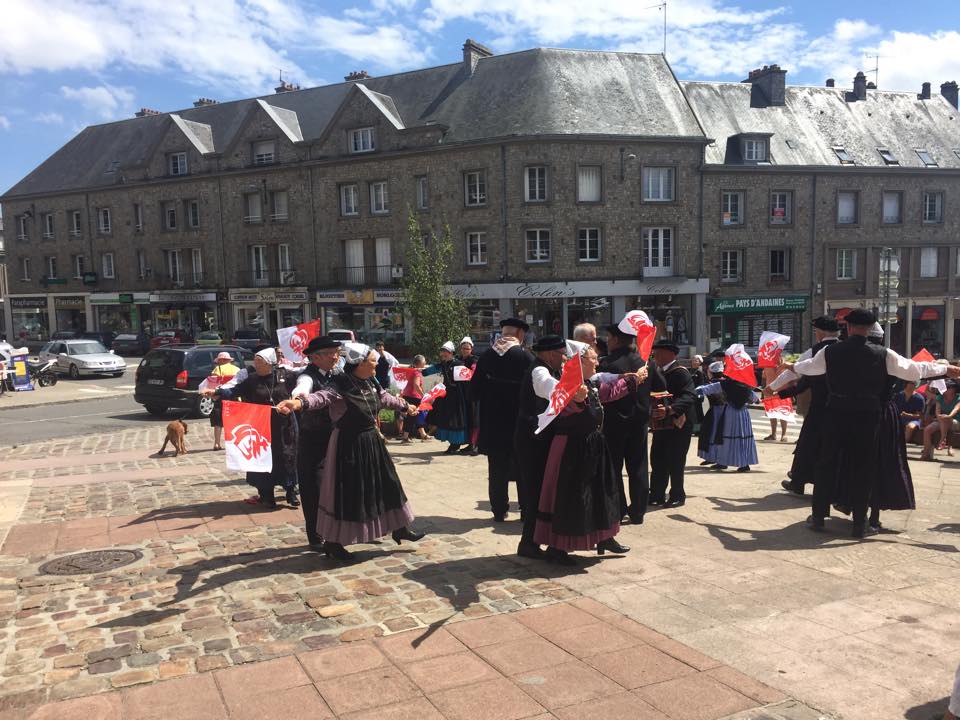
x=583, y=288
x=757, y=305
x=267, y=295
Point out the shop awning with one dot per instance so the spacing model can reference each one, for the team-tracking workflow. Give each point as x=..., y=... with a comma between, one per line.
x=929, y=314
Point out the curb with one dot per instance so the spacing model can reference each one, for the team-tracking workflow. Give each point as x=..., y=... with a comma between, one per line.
x=108, y=396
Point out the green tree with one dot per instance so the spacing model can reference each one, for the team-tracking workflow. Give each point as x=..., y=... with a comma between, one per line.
x=438, y=315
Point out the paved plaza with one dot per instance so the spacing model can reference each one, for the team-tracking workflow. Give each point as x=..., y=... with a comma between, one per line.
x=726, y=607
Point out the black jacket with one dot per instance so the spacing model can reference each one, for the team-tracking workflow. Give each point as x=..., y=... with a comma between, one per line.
x=495, y=386
x=632, y=411
x=679, y=384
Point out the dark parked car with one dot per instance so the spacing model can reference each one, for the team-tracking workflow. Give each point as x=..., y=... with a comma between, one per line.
x=168, y=377
x=104, y=337
x=131, y=344
x=251, y=337
x=174, y=336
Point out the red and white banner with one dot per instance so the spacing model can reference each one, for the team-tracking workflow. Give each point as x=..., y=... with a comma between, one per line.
x=213, y=381
x=246, y=429
x=637, y=323
x=570, y=381
x=437, y=391
x=461, y=373
x=771, y=346
x=923, y=355
x=293, y=340
x=738, y=366
x=401, y=376
x=780, y=409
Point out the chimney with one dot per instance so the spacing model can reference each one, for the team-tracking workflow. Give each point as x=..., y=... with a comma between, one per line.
x=285, y=86
x=472, y=52
x=357, y=75
x=203, y=102
x=860, y=86
x=831, y=82
x=143, y=112
x=767, y=86
x=924, y=93
x=949, y=92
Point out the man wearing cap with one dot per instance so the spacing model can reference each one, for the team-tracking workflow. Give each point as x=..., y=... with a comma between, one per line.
x=315, y=429
x=857, y=374
x=625, y=422
x=668, y=454
x=532, y=449
x=495, y=387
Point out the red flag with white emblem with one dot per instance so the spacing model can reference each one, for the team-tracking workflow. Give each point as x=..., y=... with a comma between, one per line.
x=571, y=378
x=637, y=323
x=771, y=346
x=738, y=366
x=294, y=339
x=436, y=392
x=462, y=373
x=246, y=429
x=779, y=409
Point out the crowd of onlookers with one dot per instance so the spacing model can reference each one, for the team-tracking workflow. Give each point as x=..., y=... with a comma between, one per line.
x=930, y=414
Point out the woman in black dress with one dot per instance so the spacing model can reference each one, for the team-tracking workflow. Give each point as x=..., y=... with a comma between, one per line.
x=449, y=413
x=472, y=409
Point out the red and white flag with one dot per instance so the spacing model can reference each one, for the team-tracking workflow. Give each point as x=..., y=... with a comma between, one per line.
x=402, y=376
x=437, y=391
x=923, y=355
x=637, y=323
x=293, y=340
x=461, y=373
x=246, y=429
x=771, y=346
x=570, y=381
x=738, y=366
x=780, y=409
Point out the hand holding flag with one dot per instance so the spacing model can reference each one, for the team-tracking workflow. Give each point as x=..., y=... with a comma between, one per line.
x=246, y=430
x=637, y=323
x=569, y=385
x=437, y=391
x=738, y=366
x=293, y=340
x=771, y=346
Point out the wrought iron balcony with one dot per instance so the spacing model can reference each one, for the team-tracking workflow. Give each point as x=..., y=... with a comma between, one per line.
x=270, y=277
x=168, y=281
x=366, y=276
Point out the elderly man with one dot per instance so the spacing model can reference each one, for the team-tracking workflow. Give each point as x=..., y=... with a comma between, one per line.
x=668, y=454
x=587, y=333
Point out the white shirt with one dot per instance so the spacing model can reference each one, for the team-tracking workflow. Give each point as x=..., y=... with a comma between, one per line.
x=543, y=382
x=668, y=365
x=304, y=384
x=897, y=366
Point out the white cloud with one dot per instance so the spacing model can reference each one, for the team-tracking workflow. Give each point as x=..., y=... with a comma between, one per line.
x=106, y=101
x=387, y=45
x=4, y=123
x=49, y=118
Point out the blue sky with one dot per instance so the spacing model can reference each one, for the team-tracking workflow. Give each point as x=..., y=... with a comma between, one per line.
x=65, y=64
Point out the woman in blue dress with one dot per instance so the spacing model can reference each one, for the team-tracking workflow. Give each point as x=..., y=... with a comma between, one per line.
x=731, y=441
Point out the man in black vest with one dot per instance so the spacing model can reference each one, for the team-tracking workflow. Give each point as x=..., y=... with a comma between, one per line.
x=315, y=429
x=625, y=423
x=532, y=449
x=668, y=454
x=495, y=387
x=858, y=374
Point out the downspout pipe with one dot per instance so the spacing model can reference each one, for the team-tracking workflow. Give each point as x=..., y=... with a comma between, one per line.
x=503, y=211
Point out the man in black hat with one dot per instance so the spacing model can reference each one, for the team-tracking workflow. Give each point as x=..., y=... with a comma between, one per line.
x=315, y=429
x=496, y=389
x=668, y=455
x=532, y=449
x=858, y=374
x=625, y=422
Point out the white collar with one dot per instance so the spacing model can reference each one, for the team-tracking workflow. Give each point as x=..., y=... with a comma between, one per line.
x=668, y=365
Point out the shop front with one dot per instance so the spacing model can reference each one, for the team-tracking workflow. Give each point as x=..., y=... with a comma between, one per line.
x=192, y=312
x=70, y=312
x=120, y=312
x=29, y=320
x=269, y=308
x=922, y=323
x=371, y=314
x=744, y=319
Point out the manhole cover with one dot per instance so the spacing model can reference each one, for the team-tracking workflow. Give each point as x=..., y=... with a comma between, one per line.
x=90, y=562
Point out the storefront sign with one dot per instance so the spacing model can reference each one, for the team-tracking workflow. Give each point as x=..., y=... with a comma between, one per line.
x=182, y=297
x=387, y=296
x=583, y=288
x=28, y=302
x=721, y=306
x=267, y=296
x=331, y=297
x=69, y=303
x=359, y=297
x=119, y=298
x=125, y=298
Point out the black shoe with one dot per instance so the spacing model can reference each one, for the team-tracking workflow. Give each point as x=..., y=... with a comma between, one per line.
x=718, y=466
x=529, y=550
x=611, y=545
x=816, y=524
x=500, y=517
x=292, y=500
x=560, y=557
x=788, y=486
x=636, y=519
x=317, y=546
x=859, y=531
x=473, y=451
x=706, y=462
x=406, y=533
x=269, y=503
x=743, y=468
x=452, y=450
x=653, y=502
x=336, y=551
x=675, y=503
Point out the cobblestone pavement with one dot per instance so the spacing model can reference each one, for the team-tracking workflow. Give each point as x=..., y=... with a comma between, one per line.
x=745, y=606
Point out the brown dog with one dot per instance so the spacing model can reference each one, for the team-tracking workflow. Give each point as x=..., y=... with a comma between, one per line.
x=176, y=429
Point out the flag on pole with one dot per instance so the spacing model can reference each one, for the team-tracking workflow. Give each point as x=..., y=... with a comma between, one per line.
x=293, y=340
x=246, y=429
x=780, y=409
x=771, y=346
x=461, y=373
x=437, y=391
x=402, y=376
x=637, y=323
x=738, y=366
x=571, y=378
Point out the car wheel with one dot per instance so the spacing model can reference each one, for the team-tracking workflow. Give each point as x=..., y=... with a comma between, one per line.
x=155, y=409
x=74, y=372
x=204, y=406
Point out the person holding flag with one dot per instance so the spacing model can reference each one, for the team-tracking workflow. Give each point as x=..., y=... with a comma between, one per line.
x=731, y=439
x=668, y=452
x=769, y=353
x=450, y=412
x=361, y=498
x=469, y=361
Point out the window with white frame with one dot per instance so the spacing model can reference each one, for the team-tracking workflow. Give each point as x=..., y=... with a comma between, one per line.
x=353, y=261
x=423, y=195
x=846, y=264
x=589, y=183
x=755, y=150
x=657, y=250
x=476, y=248
x=143, y=267
x=21, y=227
x=891, y=208
x=933, y=207
x=174, y=266
x=379, y=198
x=382, y=249
x=170, y=215
x=781, y=207
x=178, y=163
x=196, y=257
x=538, y=245
x=107, y=265
x=475, y=188
x=928, y=262
x=137, y=217
x=25, y=268
x=264, y=152
x=52, y=266
x=926, y=158
x=193, y=213
x=780, y=264
x=731, y=265
x=349, y=200
x=48, y=225
x=362, y=140
x=731, y=207
x=588, y=244
x=104, y=221
x=535, y=184
x=279, y=212
x=658, y=184
x=75, y=229
x=283, y=258
x=78, y=267
x=847, y=210
x=252, y=208
x=258, y=264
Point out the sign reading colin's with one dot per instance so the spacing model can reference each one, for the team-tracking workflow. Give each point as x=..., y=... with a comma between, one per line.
x=788, y=304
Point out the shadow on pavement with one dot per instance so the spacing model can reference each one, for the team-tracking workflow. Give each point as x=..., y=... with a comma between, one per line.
x=213, y=510
x=946, y=528
x=773, y=502
x=932, y=710
x=461, y=526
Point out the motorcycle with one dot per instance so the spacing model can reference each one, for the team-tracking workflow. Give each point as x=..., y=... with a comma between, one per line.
x=43, y=372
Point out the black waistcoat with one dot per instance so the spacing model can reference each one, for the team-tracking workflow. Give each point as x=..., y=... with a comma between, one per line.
x=856, y=374
x=318, y=421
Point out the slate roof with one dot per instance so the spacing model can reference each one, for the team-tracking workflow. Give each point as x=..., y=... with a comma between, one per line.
x=528, y=93
x=813, y=120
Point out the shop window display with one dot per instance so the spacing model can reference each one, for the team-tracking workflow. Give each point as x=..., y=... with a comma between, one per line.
x=545, y=317
x=29, y=324
x=595, y=310
x=672, y=315
x=484, y=321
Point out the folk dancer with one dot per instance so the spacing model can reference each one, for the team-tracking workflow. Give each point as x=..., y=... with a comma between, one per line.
x=668, y=453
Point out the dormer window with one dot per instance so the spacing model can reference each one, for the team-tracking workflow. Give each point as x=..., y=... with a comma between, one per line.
x=843, y=156
x=926, y=158
x=362, y=140
x=755, y=151
x=888, y=156
x=178, y=164
x=263, y=152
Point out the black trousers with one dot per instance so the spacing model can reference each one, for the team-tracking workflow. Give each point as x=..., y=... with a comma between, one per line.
x=668, y=456
x=629, y=446
x=853, y=434
x=501, y=469
x=310, y=454
x=532, y=455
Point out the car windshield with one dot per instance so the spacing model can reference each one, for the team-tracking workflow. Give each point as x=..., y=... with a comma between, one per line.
x=126, y=337
x=167, y=333
x=247, y=334
x=85, y=348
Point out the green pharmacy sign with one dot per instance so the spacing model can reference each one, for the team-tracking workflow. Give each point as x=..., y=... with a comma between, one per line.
x=784, y=304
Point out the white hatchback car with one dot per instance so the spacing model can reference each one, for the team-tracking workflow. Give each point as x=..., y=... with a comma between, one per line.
x=82, y=357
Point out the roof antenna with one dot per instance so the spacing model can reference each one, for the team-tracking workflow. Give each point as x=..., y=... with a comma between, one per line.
x=875, y=69
x=662, y=6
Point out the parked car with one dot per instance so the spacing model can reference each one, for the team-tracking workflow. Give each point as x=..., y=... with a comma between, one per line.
x=210, y=337
x=173, y=336
x=168, y=377
x=104, y=337
x=131, y=344
x=82, y=357
x=251, y=336
x=342, y=335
